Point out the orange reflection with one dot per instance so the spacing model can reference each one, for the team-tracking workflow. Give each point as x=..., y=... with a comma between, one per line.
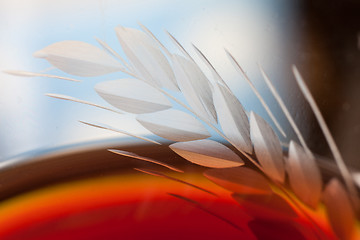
x=135, y=206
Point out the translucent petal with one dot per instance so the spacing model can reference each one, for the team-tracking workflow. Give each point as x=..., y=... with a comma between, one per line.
x=79, y=58
x=207, y=153
x=132, y=95
x=232, y=118
x=267, y=147
x=174, y=125
x=144, y=54
x=304, y=175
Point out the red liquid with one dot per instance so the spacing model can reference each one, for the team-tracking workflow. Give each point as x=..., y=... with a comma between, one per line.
x=137, y=207
x=123, y=207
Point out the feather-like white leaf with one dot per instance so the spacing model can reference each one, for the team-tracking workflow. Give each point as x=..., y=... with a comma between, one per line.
x=178, y=45
x=146, y=159
x=241, y=180
x=339, y=209
x=173, y=125
x=304, y=175
x=329, y=138
x=149, y=62
x=215, y=74
x=232, y=118
x=267, y=147
x=195, y=87
x=207, y=153
x=111, y=51
x=258, y=95
x=107, y=127
x=79, y=58
x=32, y=74
x=69, y=98
x=132, y=95
x=151, y=35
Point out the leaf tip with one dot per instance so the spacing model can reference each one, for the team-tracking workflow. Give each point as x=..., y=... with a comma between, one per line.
x=40, y=54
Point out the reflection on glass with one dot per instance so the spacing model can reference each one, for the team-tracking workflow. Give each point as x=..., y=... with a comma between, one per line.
x=283, y=190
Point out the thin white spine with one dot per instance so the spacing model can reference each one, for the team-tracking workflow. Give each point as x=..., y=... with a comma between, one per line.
x=330, y=140
x=147, y=31
x=286, y=111
x=258, y=95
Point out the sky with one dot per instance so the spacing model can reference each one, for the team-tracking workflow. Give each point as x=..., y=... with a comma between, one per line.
x=253, y=32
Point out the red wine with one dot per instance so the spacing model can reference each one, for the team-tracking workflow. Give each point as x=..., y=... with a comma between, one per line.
x=96, y=195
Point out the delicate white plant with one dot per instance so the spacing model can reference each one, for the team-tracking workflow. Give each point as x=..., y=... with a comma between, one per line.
x=248, y=140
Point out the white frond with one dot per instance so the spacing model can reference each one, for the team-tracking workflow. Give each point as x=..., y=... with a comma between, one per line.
x=232, y=118
x=107, y=127
x=333, y=147
x=195, y=87
x=146, y=159
x=207, y=153
x=72, y=99
x=111, y=51
x=179, y=46
x=149, y=62
x=339, y=209
x=267, y=148
x=304, y=175
x=173, y=125
x=216, y=75
x=133, y=96
x=79, y=58
x=146, y=30
x=32, y=74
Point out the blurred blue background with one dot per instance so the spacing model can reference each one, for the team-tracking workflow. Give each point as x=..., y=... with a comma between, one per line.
x=254, y=31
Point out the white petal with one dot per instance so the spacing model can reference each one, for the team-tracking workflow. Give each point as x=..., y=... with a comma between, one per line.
x=146, y=57
x=178, y=45
x=146, y=159
x=69, y=98
x=253, y=88
x=132, y=95
x=339, y=209
x=195, y=87
x=107, y=127
x=344, y=171
x=207, y=153
x=304, y=175
x=232, y=118
x=151, y=35
x=239, y=180
x=267, y=147
x=212, y=69
x=79, y=58
x=32, y=74
x=174, y=125
x=111, y=51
